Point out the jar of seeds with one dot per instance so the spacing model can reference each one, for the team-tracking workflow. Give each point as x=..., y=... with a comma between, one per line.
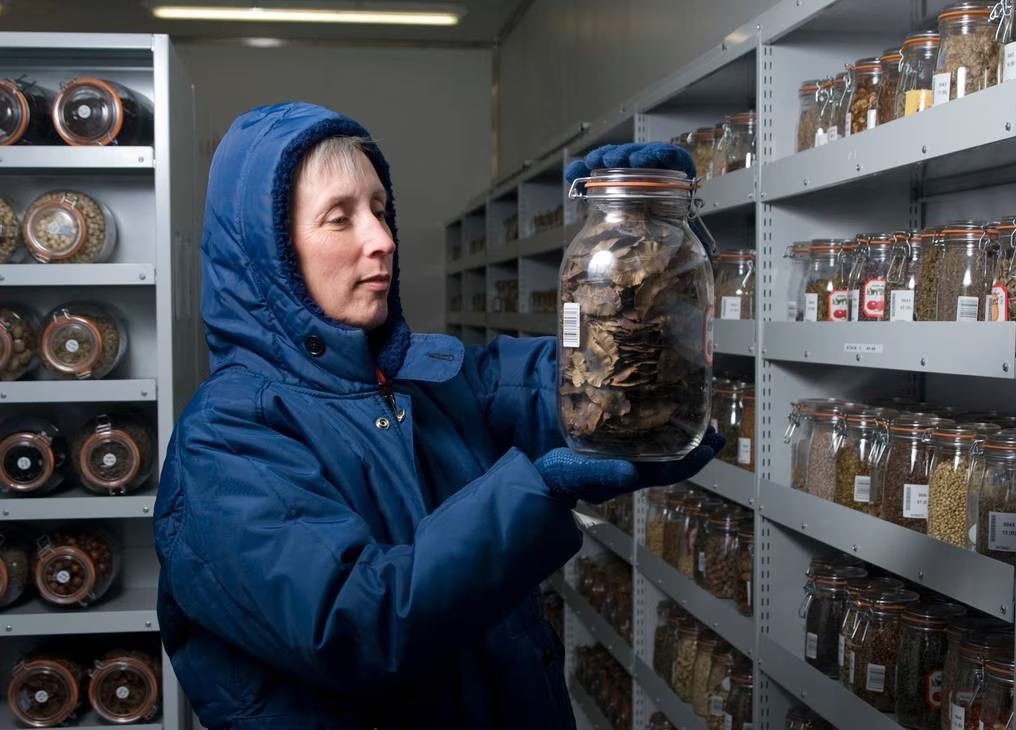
x=968, y=54
x=901, y=471
x=25, y=113
x=1000, y=305
x=997, y=696
x=823, y=448
x=799, y=256
x=90, y=111
x=826, y=297
x=735, y=284
x=704, y=141
x=956, y=630
x=824, y=614
x=684, y=658
x=718, y=685
x=721, y=574
x=65, y=226
x=82, y=341
x=46, y=690
x=995, y=506
x=915, y=92
x=860, y=591
x=634, y=340
x=890, y=63
x=738, y=710
x=76, y=565
x=114, y=454
x=736, y=149
x=926, y=276
x=965, y=269
x=965, y=699
x=878, y=649
x=745, y=561
x=854, y=458
x=808, y=117
x=862, y=109
x=921, y=661
x=14, y=564
x=33, y=456
x=708, y=644
x=124, y=686
x=11, y=249
x=19, y=344
x=947, y=487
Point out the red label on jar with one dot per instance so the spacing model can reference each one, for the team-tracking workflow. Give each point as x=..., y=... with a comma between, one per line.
x=839, y=305
x=998, y=303
x=873, y=299
x=933, y=689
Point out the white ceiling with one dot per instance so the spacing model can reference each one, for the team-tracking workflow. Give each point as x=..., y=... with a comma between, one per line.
x=482, y=24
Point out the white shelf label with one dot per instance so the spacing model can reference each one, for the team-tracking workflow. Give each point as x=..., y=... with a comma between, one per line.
x=874, y=681
x=865, y=348
x=966, y=309
x=811, y=307
x=743, y=451
x=821, y=137
x=940, y=85
x=1002, y=531
x=1009, y=67
x=730, y=307
x=901, y=307
x=571, y=314
x=811, y=645
x=862, y=492
x=915, y=501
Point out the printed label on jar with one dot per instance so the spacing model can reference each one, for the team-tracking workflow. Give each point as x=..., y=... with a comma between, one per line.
x=933, y=689
x=850, y=665
x=122, y=692
x=839, y=305
x=961, y=81
x=1002, y=532
x=915, y=501
x=715, y=705
x=917, y=100
x=872, y=119
x=821, y=137
x=996, y=304
x=1009, y=67
x=840, y=651
x=966, y=309
x=811, y=645
x=940, y=84
x=571, y=313
x=702, y=563
x=730, y=307
x=24, y=463
x=862, y=489
x=728, y=722
x=792, y=311
x=63, y=577
x=811, y=307
x=743, y=451
x=834, y=133
x=109, y=460
x=855, y=305
x=901, y=305
x=72, y=346
x=42, y=696
x=873, y=303
x=957, y=716
x=874, y=680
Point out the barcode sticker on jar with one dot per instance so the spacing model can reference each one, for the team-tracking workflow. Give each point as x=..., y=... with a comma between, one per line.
x=571, y=313
x=811, y=645
x=730, y=308
x=862, y=489
x=749, y=593
x=901, y=305
x=966, y=309
x=839, y=654
x=940, y=86
x=728, y=722
x=743, y=451
x=874, y=681
x=716, y=706
x=811, y=307
x=1009, y=67
x=1002, y=532
x=834, y=133
x=848, y=124
x=915, y=501
x=957, y=716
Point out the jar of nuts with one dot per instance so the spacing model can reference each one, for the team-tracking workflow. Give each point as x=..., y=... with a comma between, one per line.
x=76, y=565
x=720, y=576
x=124, y=686
x=65, y=226
x=736, y=149
x=968, y=54
x=900, y=476
x=808, y=117
x=890, y=62
x=947, y=487
x=966, y=691
x=14, y=564
x=82, y=341
x=18, y=342
x=718, y=685
x=826, y=288
x=920, y=665
x=915, y=91
x=684, y=658
x=46, y=690
x=90, y=111
x=997, y=695
x=735, y=284
x=862, y=108
x=704, y=141
x=11, y=249
x=25, y=117
x=824, y=613
x=113, y=454
x=878, y=648
x=33, y=456
x=994, y=509
x=745, y=561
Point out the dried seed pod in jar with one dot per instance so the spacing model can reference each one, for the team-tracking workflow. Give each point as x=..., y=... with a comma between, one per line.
x=46, y=690
x=65, y=226
x=33, y=456
x=113, y=454
x=890, y=61
x=968, y=51
x=15, y=566
x=124, y=686
x=90, y=111
x=862, y=109
x=25, y=113
x=82, y=341
x=76, y=566
x=18, y=342
x=11, y=249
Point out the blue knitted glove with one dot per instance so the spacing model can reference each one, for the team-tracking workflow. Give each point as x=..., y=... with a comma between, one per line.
x=653, y=155
x=571, y=476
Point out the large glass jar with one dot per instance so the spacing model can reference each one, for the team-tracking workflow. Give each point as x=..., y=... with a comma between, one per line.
x=737, y=710
x=705, y=142
x=124, y=686
x=926, y=276
x=839, y=98
x=687, y=552
x=25, y=113
x=735, y=284
x=862, y=109
x=997, y=697
x=76, y=565
x=33, y=456
x=823, y=447
x=901, y=471
x=718, y=685
x=947, y=485
x=824, y=617
x=729, y=416
x=114, y=453
x=82, y=340
x=697, y=536
x=15, y=564
x=65, y=226
x=802, y=717
x=902, y=277
x=854, y=458
x=745, y=560
x=11, y=248
x=967, y=689
x=736, y=149
x=826, y=297
x=684, y=658
x=799, y=256
x=46, y=689
x=994, y=510
x=860, y=591
x=890, y=62
x=720, y=576
x=968, y=54
x=665, y=639
x=19, y=344
x=808, y=117
x=798, y=435
x=90, y=111
x=878, y=649
x=708, y=646
x=635, y=335
x=920, y=665
x=968, y=257
x=869, y=284
x=1001, y=303
x=956, y=631
x=917, y=70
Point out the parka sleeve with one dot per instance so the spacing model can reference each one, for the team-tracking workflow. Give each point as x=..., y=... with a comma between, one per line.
x=256, y=548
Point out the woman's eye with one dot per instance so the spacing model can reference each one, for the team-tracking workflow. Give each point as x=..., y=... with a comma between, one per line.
x=380, y=214
x=339, y=220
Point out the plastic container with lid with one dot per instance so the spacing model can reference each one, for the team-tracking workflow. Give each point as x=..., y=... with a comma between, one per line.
x=878, y=648
x=736, y=149
x=920, y=665
x=33, y=456
x=25, y=113
x=808, y=117
x=862, y=107
x=824, y=612
x=124, y=686
x=901, y=471
x=826, y=287
x=66, y=226
x=704, y=140
x=859, y=432
x=46, y=690
x=735, y=284
x=113, y=454
x=15, y=564
x=82, y=340
x=90, y=111
x=996, y=711
x=635, y=335
x=968, y=53
x=952, y=450
x=799, y=256
x=915, y=91
x=76, y=565
x=890, y=62
x=19, y=343
x=994, y=509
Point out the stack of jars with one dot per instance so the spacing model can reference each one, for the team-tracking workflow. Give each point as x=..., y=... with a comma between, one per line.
x=723, y=147
x=733, y=416
x=619, y=512
x=666, y=523
x=606, y=583
x=606, y=682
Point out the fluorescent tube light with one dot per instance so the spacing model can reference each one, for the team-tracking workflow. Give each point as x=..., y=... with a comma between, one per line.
x=304, y=15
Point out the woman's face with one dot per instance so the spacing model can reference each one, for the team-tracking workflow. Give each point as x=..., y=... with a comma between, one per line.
x=343, y=245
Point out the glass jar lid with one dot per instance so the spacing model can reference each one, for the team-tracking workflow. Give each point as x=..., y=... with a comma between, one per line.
x=893, y=602
x=88, y=111
x=859, y=585
x=809, y=87
x=42, y=693
x=640, y=183
x=72, y=343
x=954, y=435
x=109, y=458
x=968, y=9
x=922, y=39
x=867, y=66
x=1001, y=445
x=909, y=424
x=65, y=574
x=123, y=690
x=1001, y=671
x=704, y=133
x=14, y=112
x=929, y=616
x=27, y=461
x=55, y=228
x=891, y=55
x=741, y=255
x=997, y=645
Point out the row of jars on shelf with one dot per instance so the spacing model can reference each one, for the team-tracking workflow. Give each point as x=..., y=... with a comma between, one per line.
x=606, y=682
x=606, y=583
x=962, y=271
x=54, y=687
x=59, y=226
x=112, y=453
x=733, y=416
x=702, y=669
x=73, y=341
x=967, y=53
x=706, y=538
x=75, y=564
x=949, y=474
x=721, y=148
x=906, y=650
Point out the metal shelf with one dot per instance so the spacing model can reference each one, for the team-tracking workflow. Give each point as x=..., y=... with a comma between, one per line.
x=76, y=274
x=729, y=481
x=83, y=505
x=929, y=347
x=36, y=159
x=728, y=192
x=554, y=239
x=591, y=523
x=734, y=336
x=465, y=263
x=676, y=710
x=976, y=580
x=720, y=615
x=503, y=253
x=129, y=610
x=78, y=391
x=88, y=720
x=593, y=714
x=597, y=625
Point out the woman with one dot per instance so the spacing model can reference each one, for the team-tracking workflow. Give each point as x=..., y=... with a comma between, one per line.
x=353, y=521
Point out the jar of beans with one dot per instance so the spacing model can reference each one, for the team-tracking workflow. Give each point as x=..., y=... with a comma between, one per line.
x=901, y=471
x=33, y=456
x=734, y=285
x=920, y=665
x=968, y=52
x=124, y=686
x=823, y=448
x=967, y=256
x=11, y=249
x=737, y=709
x=890, y=62
x=708, y=645
x=25, y=113
x=826, y=287
x=824, y=613
x=808, y=115
x=997, y=696
x=994, y=509
x=19, y=343
x=82, y=340
x=90, y=111
x=65, y=226
x=966, y=691
x=76, y=565
x=859, y=432
x=684, y=658
x=745, y=561
x=113, y=454
x=952, y=449
x=15, y=565
x=720, y=576
x=878, y=649
x=915, y=91
x=46, y=690
x=865, y=80
x=704, y=140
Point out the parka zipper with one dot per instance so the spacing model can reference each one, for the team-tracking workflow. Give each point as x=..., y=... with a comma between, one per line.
x=389, y=396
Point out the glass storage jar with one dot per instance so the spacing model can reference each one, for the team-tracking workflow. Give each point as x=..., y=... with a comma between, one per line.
x=860, y=591
x=33, y=456
x=15, y=565
x=920, y=665
x=901, y=471
x=65, y=226
x=25, y=113
x=967, y=261
x=737, y=710
x=728, y=415
x=798, y=435
x=902, y=277
x=947, y=486
x=956, y=630
x=718, y=687
x=82, y=340
x=808, y=116
x=826, y=287
x=684, y=658
x=655, y=522
x=967, y=688
x=736, y=149
x=859, y=432
x=123, y=686
x=890, y=62
x=19, y=344
x=76, y=565
x=869, y=284
x=823, y=448
x=114, y=453
x=826, y=606
x=997, y=697
x=687, y=553
x=665, y=639
x=915, y=92
x=799, y=256
x=11, y=248
x=968, y=52
x=635, y=335
x=735, y=284
x=831, y=112
x=697, y=540
x=720, y=576
x=926, y=275
x=745, y=561
x=840, y=96
x=862, y=108
x=1000, y=305
x=878, y=648
x=994, y=510
x=46, y=690
x=90, y=111
x=708, y=647
x=705, y=143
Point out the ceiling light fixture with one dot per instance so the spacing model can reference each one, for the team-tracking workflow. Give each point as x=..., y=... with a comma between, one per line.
x=444, y=16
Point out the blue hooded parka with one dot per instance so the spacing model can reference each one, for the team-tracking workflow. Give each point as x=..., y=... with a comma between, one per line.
x=350, y=526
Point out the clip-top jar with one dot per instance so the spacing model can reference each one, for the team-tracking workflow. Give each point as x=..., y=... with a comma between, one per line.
x=66, y=226
x=920, y=665
x=124, y=686
x=968, y=53
x=635, y=334
x=862, y=109
x=799, y=255
x=82, y=340
x=90, y=111
x=997, y=695
x=890, y=61
x=76, y=566
x=1000, y=305
x=917, y=70
x=994, y=510
x=808, y=118
x=826, y=607
x=901, y=471
x=15, y=564
x=826, y=290
x=735, y=284
x=33, y=456
x=113, y=454
x=952, y=451
x=854, y=459
x=46, y=690
x=704, y=139
x=25, y=113
x=18, y=342
x=878, y=648
x=736, y=149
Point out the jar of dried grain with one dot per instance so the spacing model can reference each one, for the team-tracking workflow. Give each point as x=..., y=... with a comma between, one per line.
x=798, y=435
x=720, y=576
x=968, y=54
x=901, y=472
x=12, y=250
x=994, y=510
x=966, y=696
x=745, y=561
x=82, y=340
x=890, y=62
x=965, y=271
x=997, y=695
x=920, y=665
x=808, y=116
x=66, y=226
x=854, y=458
x=952, y=448
x=878, y=648
x=860, y=591
x=824, y=613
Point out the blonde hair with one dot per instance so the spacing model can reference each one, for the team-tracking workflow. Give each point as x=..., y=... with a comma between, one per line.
x=335, y=152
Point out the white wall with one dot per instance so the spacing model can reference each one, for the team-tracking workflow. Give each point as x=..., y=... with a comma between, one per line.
x=428, y=108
